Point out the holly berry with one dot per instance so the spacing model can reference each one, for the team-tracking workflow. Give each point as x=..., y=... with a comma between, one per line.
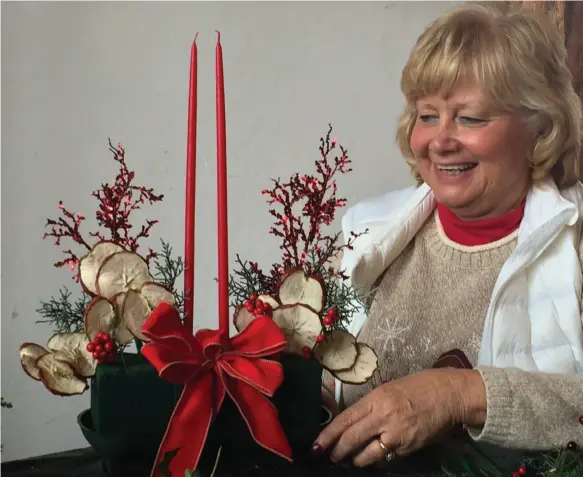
x=102, y=348
x=320, y=338
x=327, y=321
x=253, y=297
x=522, y=470
x=515, y=474
x=581, y=420
x=306, y=352
x=572, y=446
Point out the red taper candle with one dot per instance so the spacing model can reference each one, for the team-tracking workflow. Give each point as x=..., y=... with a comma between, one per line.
x=190, y=193
x=223, y=238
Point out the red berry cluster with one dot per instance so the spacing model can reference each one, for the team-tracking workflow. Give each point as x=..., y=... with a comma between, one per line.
x=521, y=471
x=331, y=316
x=102, y=348
x=258, y=307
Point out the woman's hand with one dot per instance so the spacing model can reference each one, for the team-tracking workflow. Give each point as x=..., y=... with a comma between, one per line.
x=404, y=414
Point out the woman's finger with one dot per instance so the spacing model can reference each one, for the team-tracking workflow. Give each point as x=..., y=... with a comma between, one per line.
x=333, y=431
x=374, y=452
x=356, y=437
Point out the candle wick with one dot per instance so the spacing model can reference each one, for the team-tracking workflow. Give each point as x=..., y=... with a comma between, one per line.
x=195, y=37
x=218, y=36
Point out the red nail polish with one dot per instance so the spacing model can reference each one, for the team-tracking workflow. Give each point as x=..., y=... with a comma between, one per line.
x=316, y=449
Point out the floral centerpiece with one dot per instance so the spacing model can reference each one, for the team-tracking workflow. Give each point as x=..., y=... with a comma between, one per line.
x=123, y=290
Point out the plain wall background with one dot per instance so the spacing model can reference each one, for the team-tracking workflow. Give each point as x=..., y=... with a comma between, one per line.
x=74, y=74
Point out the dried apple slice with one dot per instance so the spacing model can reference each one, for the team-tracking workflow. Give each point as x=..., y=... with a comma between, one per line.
x=59, y=377
x=363, y=369
x=268, y=299
x=154, y=293
x=296, y=287
x=29, y=353
x=90, y=263
x=300, y=326
x=135, y=313
x=74, y=347
x=120, y=333
x=121, y=272
x=99, y=316
x=117, y=301
x=242, y=318
x=338, y=351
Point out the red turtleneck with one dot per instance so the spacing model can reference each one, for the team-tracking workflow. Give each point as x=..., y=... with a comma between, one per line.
x=479, y=232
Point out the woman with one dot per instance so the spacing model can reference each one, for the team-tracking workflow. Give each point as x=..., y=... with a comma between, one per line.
x=484, y=256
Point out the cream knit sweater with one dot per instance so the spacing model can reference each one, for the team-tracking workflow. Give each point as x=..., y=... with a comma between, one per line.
x=433, y=299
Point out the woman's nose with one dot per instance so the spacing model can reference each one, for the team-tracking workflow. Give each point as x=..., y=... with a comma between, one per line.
x=444, y=140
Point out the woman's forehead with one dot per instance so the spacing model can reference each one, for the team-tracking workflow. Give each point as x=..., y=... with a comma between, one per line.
x=460, y=96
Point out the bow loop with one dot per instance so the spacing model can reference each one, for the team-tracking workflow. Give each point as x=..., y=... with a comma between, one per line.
x=164, y=324
x=262, y=374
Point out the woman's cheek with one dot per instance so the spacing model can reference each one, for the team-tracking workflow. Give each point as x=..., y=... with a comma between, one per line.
x=417, y=142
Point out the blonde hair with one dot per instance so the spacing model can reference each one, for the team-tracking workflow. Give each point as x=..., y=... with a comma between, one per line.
x=519, y=60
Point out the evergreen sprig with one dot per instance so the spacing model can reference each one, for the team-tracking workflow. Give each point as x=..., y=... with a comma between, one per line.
x=554, y=463
x=64, y=314
x=344, y=298
x=247, y=279
x=167, y=270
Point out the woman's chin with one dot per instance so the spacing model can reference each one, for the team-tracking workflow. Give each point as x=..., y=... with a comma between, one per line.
x=455, y=192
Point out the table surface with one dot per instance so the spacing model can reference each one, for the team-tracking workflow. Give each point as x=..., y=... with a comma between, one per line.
x=85, y=463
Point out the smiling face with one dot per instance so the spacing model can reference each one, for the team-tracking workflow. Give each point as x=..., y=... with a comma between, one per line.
x=474, y=158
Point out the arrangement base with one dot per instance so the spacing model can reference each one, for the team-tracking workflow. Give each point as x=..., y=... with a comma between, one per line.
x=131, y=407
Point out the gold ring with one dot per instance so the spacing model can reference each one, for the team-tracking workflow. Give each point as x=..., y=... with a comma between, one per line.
x=389, y=455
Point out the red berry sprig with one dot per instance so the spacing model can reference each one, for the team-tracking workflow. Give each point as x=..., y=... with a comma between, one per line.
x=117, y=201
x=258, y=307
x=102, y=348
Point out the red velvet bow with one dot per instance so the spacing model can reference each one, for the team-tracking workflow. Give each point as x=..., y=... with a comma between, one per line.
x=208, y=370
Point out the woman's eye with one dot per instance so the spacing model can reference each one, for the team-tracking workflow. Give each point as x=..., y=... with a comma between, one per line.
x=471, y=121
x=428, y=118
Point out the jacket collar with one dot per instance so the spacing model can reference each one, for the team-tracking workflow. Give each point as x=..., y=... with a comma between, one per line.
x=394, y=219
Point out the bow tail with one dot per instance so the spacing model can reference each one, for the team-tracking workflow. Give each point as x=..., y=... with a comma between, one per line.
x=260, y=415
x=189, y=425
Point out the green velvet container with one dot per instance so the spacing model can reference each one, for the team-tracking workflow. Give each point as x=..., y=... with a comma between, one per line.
x=131, y=407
